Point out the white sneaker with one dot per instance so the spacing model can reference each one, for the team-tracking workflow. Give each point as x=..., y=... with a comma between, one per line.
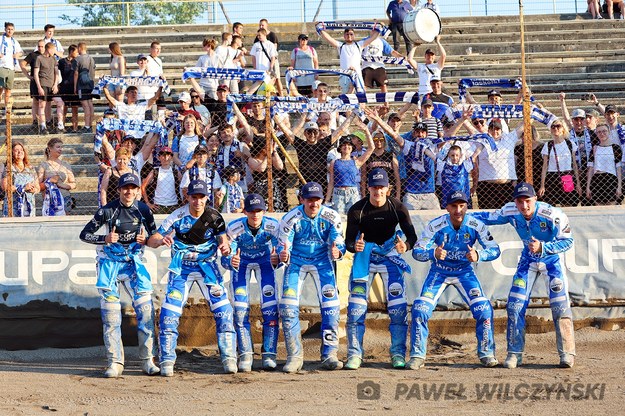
x=353, y=363
x=148, y=367
x=513, y=360
x=489, y=361
x=567, y=360
x=114, y=370
x=167, y=369
x=245, y=363
x=269, y=363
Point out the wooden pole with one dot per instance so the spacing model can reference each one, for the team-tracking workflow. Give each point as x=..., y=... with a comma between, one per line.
x=269, y=148
x=9, y=166
x=288, y=159
x=527, y=121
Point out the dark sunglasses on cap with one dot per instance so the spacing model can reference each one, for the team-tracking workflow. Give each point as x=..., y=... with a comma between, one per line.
x=479, y=122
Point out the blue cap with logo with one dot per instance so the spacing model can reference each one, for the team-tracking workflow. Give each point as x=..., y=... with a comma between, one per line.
x=128, y=179
x=377, y=177
x=457, y=196
x=524, y=189
x=197, y=187
x=254, y=202
x=312, y=190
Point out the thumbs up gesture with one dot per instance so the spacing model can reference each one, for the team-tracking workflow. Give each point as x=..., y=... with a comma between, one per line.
x=440, y=253
x=141, y=237
x=284, y=254
x=273, y=257
x=112, y=237
x=336, y=253
x=235, y=261
x=360, y=243
x=534, y=245
x=472, y=255
x=400, y=246
x=168, y=240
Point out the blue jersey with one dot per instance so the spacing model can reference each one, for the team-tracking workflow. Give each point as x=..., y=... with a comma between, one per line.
x=455, y=178
x=254, y=248
x=441, y=231
x=548, y=224
x=181, y=221
x=309, y=239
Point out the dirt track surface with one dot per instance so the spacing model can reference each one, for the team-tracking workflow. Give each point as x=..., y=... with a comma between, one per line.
x=69, y=382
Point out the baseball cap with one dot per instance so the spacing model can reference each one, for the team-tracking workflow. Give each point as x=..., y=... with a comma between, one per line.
x=130, y=137
x=495, y=93
x=128, y=179
x=311, y=125
x=593, y=113
x=377, y=177
x=392, y=116
x=524, y=189
x=420, y=126
x=578, y=113
x=165, y=149
x=197, y=187
x=427, y=101
x=223, y=87
x=457, y=196
x=302, y=36
x=611, y=108
x=254, y=202
x=109, y=112
x=184, y=96
x=312, y=190
x=434, y=78
x=346, y=140
x=200, y=148
x=141, y=56
x=495, y=124
x=429, y=51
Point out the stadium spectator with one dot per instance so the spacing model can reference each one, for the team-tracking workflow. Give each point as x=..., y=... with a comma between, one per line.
x=231, y=196
x=117, y=64
x=29, y=60
x=10, y=52
x=196, y=105
x=258, y=163
x=384, y=159
x=48, y=37
x=110, y=179
x=160, y=187
x=44, y=74
x=611, y=5
x=374, y=73
x=455, y=170
x=429, y=68
x=559, y=165
x=435, y=127
x=67, y=86
x=304, y=56
x=273, y=38
x=264, y=53
x=200, y=167
x=537, y=157
x=209, y=60
x=437, y=95
x=24, y=183
x=185, y=144
x=133, y=109
x=155, y=69
x=184, y=101
x=594, y=8
x=84, y=67
x=55, y=175
x=217, y=108
x=350, y=54
x=233, y=58
x=429, y=4
x=605, y=177
x=144, y=91
x=396, y=12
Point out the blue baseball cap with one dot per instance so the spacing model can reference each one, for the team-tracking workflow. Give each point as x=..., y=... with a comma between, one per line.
x=197, y=187
x=128, y=179
x=312, y=190
x=254, y=202
x=524, y=189
x=377, y=177
x=457, y=196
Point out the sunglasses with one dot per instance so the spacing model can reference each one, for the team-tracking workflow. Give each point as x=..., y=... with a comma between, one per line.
x=165, y=154
x=195, y=96
x=311, y=131
x=378, y=139
x=479, y=122
x=556, y=126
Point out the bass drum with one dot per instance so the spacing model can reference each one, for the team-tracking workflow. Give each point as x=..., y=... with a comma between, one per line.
x=422, y=26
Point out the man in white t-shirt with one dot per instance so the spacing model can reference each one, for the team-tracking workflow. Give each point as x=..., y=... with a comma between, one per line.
x=134, y=110
x=10, y=52
x=429, y=67
x=263, y=52
x=145, y=92
x=350, y=54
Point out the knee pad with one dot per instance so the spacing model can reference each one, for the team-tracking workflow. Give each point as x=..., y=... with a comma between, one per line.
x=169, y=319
x=397, y=313
x=240, y=316
x=514, y=307
x=420, y=311
x=482, y=310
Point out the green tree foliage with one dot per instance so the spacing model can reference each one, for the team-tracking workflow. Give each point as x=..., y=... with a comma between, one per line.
x=116, y=12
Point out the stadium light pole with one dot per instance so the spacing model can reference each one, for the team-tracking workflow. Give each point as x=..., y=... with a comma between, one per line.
x=527, y=126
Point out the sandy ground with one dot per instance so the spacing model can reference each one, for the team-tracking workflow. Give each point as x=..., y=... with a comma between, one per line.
x=68, y=381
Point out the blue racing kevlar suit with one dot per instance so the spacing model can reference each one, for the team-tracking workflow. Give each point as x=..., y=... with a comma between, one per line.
x=255, y=258
x=309, y=241
x=121, y=263
x=193, y=259
x=455, y=270
x=551, y=227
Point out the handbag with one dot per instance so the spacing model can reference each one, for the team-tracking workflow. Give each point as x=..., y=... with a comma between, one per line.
x=568, y=185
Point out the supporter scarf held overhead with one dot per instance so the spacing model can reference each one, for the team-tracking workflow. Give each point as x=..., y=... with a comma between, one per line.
x=135, y=127
x=391, y=60
x=251, y=98
x=355, y=25
x=295, y=73
x=129, y=80
x=239, y=74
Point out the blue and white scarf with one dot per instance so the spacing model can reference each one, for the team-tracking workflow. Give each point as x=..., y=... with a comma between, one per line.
x=295, y=73
x=587, y=145
x=466, y=83
x=621, y=134
x=508, y=111
x=117, y=256
x=129, y=80
x=391, y=60
x=331, y=106
x=53, y=202
x=380, y=97
x=5, y=45
x=205, y=261
x=247, y=98
x=362, y=260
x=21, y=203
x=480, y=137
x=241, y=74
x=138, y=128
x=355, y=25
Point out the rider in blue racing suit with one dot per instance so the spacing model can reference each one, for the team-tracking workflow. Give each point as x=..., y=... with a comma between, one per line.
x=377, y=248
x=310, y=239
x=546, y=233
x=195, y=232
x=119, y=261
x=448, y=242
x=253, y=240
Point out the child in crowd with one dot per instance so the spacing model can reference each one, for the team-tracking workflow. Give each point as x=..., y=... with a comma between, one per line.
x=230, y=197
x=455, y=174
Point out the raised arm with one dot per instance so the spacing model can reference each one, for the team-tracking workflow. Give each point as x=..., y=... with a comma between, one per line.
x=109, y=97
x=442, y=53
x=325, y=35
